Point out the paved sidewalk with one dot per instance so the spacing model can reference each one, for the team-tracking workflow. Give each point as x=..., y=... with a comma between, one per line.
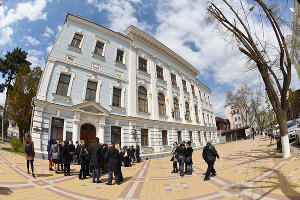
x=246, y=170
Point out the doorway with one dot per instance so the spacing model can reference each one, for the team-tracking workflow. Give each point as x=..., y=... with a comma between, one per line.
x=116, y=134
x=88, y=133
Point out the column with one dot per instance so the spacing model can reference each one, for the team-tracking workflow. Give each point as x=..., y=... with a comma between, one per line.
x=154, y=111
x=42, y=90
x=36, y=129
x=157, y=139
x=181, y=98
x=101, y=134
x=169, y=96
x=196, y=138
x=76, y=126
x=132, y=90
x=132, y=134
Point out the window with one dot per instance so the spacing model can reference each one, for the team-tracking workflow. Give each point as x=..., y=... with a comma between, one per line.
x=57, y=126
x=142, y=99
x=179, y=138
x=99, y=48
x=200, y=95
x=159, y=72
x=13, y=124
x=76, y=40
x=173, y=79
x=184, y=85
x=120, y=56
x=187, y=111
x=144, y=137
x=161, y=104
x=196, y=113
x=193, y=89
x=176, y=109
x=116, y=134
x=91, y=88
x=63, y=85
x=203, y=118
x=165, y=137
x=116, y=97
x=191, y=136
x=199, y=136
x=235, y=119
x=142, y=64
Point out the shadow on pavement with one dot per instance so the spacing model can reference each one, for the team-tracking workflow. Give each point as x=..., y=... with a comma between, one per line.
x=5, y=191
x=43, y=175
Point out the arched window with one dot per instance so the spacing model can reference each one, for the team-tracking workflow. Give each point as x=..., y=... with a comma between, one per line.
x=187, y=111
x=142, y=98
x=161, y=104
x=176, y=109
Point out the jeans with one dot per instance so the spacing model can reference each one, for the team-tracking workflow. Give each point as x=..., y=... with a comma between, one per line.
x=181, y=167
x=110, y=177
x=96, y=174
x=189, y=168
x=210, y=169
x=67, y=169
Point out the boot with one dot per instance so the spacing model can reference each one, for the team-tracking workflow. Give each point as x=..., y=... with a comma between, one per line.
x=174, y=171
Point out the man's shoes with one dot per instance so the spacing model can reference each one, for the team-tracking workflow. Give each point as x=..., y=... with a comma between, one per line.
x=33, y=175
x=28, y=171
x=94, y=181
x=181, y=175
x=206, y=179
x=189, y=174
x=108, y=183
x=214, y=175
x=80, y=178
x=51, y=169
x=118, y=183
x=99, y=181
x=173, y=171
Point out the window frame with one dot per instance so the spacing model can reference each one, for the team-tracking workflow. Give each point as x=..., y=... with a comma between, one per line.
x=176, y=109
x=52, y=128
x=86, y=90
x=187, y=111
x=102, y=52
x=161, y=104
x=159, y=72
x=142, y=66
x=184, y=85
x=164, y=134
x=193, y=89
x=173, y=79
x=142, y=99
x=116, y=96
x=68, y=85
x=123, y=56
x=196, y=113
x=144, y=143
x=80, y=43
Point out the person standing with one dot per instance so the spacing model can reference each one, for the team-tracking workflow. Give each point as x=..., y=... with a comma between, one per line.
x=132, y=153
x=95, y=156
x=50, y=158
x=72, y=152
x=181, y=157
x=120, y=163
x=188, y=158
x=55, y=152
x=126, y=156
x=66, y=157
x=83, y=155
x=137, y=153
x=174, y=158
x=77, y=152
x=112, y=159
x=210, y=154
x=29, y=153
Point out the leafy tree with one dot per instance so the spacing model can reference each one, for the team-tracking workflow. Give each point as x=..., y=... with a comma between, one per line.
x=19, y=98
x=271, y=59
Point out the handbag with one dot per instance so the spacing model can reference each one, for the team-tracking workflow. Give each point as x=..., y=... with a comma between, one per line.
x=188, y=160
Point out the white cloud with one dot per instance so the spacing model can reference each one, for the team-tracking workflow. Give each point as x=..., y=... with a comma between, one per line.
x=36, y=58
x=48, y=49
x=32, y=10
x=48, y=32
x=31, y=41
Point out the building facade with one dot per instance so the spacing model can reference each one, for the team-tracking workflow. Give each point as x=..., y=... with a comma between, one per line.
x=295, y=46
x=13, y=129
x=126, y=88
x=237, y=118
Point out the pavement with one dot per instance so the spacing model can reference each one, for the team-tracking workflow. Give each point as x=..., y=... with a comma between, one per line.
x=246, y=170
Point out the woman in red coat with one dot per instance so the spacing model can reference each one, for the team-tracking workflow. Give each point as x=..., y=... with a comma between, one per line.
x=29, y=152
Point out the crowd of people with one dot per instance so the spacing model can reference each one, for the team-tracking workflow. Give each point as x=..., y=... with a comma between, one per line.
x=102, y=158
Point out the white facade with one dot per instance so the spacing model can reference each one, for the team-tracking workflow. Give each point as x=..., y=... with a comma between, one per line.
x=13, y=129
x=236, y=117
x=296, y=37
x=68, y=113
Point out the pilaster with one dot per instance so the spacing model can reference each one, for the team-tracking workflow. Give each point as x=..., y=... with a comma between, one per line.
x=44, y=82
x=154, y=111
x=132, y=90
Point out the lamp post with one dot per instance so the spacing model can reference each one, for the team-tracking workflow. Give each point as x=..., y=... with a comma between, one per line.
x=2, y=128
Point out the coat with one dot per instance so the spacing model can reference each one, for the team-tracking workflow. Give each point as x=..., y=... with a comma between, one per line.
x=55, y=152
x=188, y=155
x=65, y=153
x=175, y=155
x=95, y=155
x=32, y=155
x=209, y=153
x=112, y=157
x=181, y=152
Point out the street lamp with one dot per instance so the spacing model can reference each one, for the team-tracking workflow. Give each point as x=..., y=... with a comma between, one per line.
x=2, y=115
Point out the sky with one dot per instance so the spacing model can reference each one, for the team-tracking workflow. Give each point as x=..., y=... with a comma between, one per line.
x=33, y=25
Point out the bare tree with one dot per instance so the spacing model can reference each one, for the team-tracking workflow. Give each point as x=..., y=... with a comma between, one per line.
x=272, y=60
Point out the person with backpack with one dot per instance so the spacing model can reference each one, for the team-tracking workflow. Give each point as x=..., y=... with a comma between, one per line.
x=56, y=155
x=29, y=153
x=50, y=158
x=181, y=157
x=210, y=154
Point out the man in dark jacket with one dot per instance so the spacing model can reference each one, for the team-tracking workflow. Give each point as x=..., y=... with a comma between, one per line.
x=72, y=152
x=181, y=157
x=112, y=159
x=83, y=157
x=95, y=155
x=188, y=158
x=210, y=154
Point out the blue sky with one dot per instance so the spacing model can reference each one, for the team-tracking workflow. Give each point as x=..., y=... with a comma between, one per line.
x=180, y=24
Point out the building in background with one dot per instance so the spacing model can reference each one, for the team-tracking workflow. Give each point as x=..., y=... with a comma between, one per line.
x=293, y=111
x=296, y=36
x=126, y=88
x=222, y=125
x=237, y=118
x=13, y=129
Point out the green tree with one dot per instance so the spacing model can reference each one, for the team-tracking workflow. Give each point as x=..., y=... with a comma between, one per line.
x=10, y=65
x=19, y=98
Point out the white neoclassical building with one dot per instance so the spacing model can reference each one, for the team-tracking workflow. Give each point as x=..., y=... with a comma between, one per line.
x=127, y=88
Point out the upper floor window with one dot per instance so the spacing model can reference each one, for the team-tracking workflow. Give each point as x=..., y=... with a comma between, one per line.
x=99, y=48
x=161, y=104
x=76, y=40
x=143, y=64
x=193, y=89
x=200, y=95
x=176, y=109
x=184, y=85
x=120, y=56
x=173, y=79
x=142, y=99
x=63, y=85
x=159, y=72
x=196, y=113
x=91, y=88
x=116, y=97
x=187, y=111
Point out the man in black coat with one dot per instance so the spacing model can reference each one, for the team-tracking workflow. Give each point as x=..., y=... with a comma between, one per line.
x=210, y=154
x=83, y=156
x=72, y=151
x=95, y=155
x=112, y=159
x=181, y=157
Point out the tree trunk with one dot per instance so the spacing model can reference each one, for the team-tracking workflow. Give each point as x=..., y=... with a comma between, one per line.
x=286, y=151
x=21, y=135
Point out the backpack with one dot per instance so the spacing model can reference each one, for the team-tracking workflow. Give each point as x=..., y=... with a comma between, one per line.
x=28, y=149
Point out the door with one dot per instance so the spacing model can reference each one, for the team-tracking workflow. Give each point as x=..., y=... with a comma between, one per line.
x=88, y=133
x=116, y=135
x=179, y=137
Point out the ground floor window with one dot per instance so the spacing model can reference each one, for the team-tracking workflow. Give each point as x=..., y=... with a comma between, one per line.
x=57, y=126
x=144, y=137
x=191, y=136
x=165, y=137
x=179, y=137
x=116, y=134
x=199, y=136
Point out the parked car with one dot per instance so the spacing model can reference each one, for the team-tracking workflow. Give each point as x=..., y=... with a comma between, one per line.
x=297, y=134
x=291, y=125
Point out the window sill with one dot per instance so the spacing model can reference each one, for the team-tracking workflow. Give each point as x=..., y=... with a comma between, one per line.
x=175, y=87
x=70, y=47
x=120, y=64
x=98, y=56
x=188, y=120
x=165, y=117
x=57, y=96
x=140, y=71
x=162, y=81
x=117, y=108
x=186, y=92
x=144, y=113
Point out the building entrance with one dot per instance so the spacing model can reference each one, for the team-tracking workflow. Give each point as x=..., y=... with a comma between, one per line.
x=88, y=133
